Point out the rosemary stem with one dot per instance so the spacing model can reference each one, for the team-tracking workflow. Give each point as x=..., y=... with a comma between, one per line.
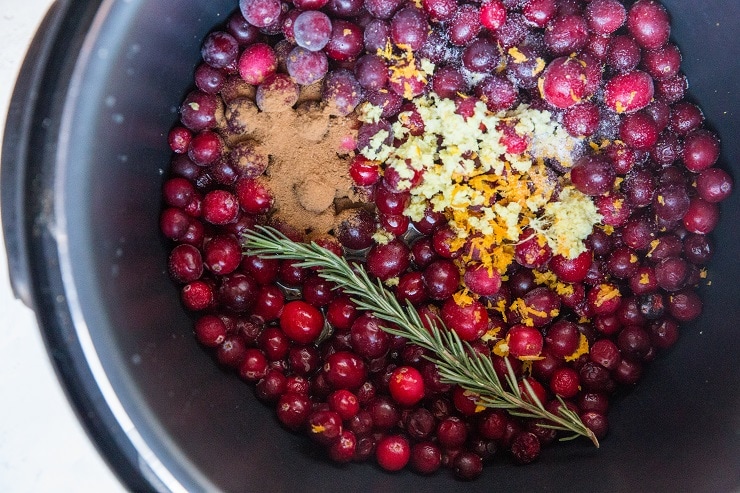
x=457, y=362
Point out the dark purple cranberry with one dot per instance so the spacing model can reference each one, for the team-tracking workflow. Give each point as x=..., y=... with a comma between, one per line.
x=452, y=432
x=383, y=9
x=596, y=422
x=467, y=465
x=714, y=185
x=525, y=448
x=384, y=412
x=425, y=457
x=441, y=279
x=356, y=230
x=368, y=338
x=237, y=292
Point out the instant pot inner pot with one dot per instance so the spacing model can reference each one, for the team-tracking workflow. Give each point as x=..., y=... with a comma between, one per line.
x=679, y=430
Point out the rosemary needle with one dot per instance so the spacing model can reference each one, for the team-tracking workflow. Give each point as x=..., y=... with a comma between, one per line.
x=457, y=362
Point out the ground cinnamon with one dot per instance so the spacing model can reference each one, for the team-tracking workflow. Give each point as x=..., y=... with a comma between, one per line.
x=308, y=149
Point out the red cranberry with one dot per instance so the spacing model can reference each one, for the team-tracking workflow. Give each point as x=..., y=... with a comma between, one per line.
x=302, y=322
x=649, y=24
x=345, y=370
x=525, y=448
x=393, y=452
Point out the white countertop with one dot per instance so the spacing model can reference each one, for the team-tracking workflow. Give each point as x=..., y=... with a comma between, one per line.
x=43, y=447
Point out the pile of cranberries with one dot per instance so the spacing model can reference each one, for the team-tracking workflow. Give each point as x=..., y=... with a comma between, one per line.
x=608, y=73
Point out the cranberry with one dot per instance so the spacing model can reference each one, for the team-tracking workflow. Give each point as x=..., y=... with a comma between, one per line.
x=385, y=261
x=345, y=370
x=441, y=279
x=525, y=448
x=369, y=340
x=293, y=410
x=701, y=216
x=425, y=457
x=393, y=452
x=524, y=341
x=302, y=322
x=469, y=321
x=714, y=185
x=605, y=16
x=324, y=426
x=452, y=432
x=197, y=295
x=406, y=385
x=700, y=150
x=649, y=24
x=566, y=34
x=467, y=465
x=571, y=270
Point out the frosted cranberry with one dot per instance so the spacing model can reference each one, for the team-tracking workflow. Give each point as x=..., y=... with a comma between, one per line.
x=342, y=91
x=649, y=24
x=514, y=31
x=293, y=410
x=597, y=46
x=409, y=28
x=439, y=10
x=639, y=131
x=700, y=150
x=581, y=120
x=497, y=92
x=372, y=73
x=346, y=41
x=345, y=370
x=566, y=34
x=539, y=12
x=684, y=305
x=663, y=62
x=493, y=14
x=199, y=109
x=623, y=54
x=306, y=66
x=685, y=117
x=382, y=9
x=563, y=82
x=525, y=448
x=605, y=16
x=714, y=185
x=301, y=322
x=256, y=62
x=219, y=49
x=697, y=249
x=672, y=89
x=701, y=216
x=343, y=8
x=592, y=175
x=376, y=35
x=447, y=82
x=452, y=432
x=629, y=92
x=464, y=25
x=634, y=342
x=312, y=30
x=368, y=338
x=441, y=279
x=393, y=452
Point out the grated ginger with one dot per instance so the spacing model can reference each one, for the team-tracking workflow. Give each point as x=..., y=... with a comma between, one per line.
x=488, y=194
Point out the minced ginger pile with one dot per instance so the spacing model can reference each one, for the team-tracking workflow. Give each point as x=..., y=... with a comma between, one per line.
x=487, y=173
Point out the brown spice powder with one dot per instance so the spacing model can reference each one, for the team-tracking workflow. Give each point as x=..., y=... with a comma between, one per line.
x=308, y=150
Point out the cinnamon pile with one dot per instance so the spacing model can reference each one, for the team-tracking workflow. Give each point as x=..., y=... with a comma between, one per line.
x=308, y=150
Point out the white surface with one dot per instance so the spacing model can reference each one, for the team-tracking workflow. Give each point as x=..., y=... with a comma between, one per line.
x=43, y=447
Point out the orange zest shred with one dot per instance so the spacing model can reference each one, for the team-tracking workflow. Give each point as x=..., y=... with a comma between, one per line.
x=606, y=292
x=582, y=349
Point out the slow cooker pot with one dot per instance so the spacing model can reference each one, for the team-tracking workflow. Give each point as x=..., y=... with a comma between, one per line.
x=84, y=157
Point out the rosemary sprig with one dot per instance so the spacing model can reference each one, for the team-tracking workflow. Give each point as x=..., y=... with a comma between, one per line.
x=455, y=359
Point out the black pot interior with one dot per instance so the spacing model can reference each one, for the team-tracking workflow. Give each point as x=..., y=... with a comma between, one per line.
x=679, y=430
